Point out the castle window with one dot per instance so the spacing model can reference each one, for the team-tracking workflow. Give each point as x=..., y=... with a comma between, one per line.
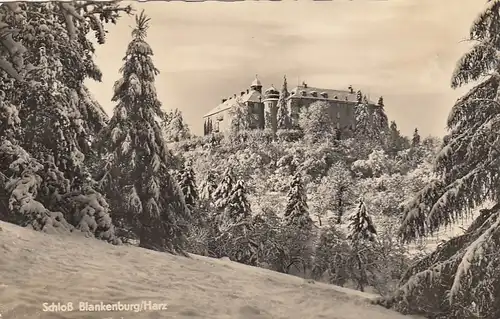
x=216, y=127
x=338, y=115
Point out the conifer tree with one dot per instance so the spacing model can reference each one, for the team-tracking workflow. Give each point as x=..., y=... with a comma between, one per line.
x=461, y=278
x=283, y=116
x=381, y=101
x=359, y=97
x=20, y=182
x=187, y=183
x=238, y=208
x=361, y=226
x=297, y=210
x=361, y=231
x=380, y=120
x=136, y=173
x=208, y=186
x=236, y=222
x=365, y=99
x=371, y=120
x=59, y=117
x=331, y=256
x=224, y=190
x=394, y=142
x=416, y=138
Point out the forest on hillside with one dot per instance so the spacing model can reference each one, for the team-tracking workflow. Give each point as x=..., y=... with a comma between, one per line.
x=308, y=200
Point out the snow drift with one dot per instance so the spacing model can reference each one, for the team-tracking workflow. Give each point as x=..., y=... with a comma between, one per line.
x=38, y=268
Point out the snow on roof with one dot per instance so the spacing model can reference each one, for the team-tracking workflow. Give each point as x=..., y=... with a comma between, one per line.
x=331, y=95
x=299, y=92
x=256, y=82
x=252, y=96
x=271, y=89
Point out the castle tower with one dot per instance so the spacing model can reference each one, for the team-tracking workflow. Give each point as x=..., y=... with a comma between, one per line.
x=256, y=85
x=271, y=97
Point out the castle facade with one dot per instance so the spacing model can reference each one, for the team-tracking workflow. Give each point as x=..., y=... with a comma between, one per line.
x=264, y=106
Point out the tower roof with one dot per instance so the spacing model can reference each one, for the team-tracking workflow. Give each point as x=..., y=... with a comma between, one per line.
x=271, y=89
x=256, y=82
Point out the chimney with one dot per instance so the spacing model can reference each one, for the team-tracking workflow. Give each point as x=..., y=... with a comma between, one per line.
x=242, y=92
x=304, y=84
x=351, y=90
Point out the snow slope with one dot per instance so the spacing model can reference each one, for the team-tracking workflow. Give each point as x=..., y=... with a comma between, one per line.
x=37, y=268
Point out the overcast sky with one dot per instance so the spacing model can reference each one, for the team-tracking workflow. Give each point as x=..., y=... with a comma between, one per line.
x=404, y=50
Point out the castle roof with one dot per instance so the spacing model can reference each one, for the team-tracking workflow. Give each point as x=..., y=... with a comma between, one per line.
x=308, y=92
x=251, y=96
x=299, y=92
x=256, y=82
x=271, y=89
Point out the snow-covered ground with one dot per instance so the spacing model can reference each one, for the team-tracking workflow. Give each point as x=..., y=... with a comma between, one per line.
x=37, y=268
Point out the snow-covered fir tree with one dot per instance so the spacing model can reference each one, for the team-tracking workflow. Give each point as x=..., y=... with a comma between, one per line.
x=208, y=186
x=283, y=115
x=361, y=226
x=331, y=256
x=297, y=210
x=236, y=223
x=56, y=76
x=371, y=121
x=237, y=208
x=136, y=173
x=59, y=118
x=174, y=127
x=361, y=232
x=187, y=183
x=415, y=141
x=381, y=101
x=461, y=279
x=359, y=97
x=20, y=182
x=380, y=120
x=224, y=190
x=396, y=142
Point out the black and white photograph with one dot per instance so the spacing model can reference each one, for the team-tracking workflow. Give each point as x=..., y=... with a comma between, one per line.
x=250, y=159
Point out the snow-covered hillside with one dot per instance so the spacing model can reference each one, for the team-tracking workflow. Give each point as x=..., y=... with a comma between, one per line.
x=37, y=268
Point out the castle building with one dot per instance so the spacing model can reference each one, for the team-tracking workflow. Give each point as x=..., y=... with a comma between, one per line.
x=264, y=106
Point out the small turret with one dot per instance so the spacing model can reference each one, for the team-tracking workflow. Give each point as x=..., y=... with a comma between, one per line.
x=256, y=85
x=271, y=97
